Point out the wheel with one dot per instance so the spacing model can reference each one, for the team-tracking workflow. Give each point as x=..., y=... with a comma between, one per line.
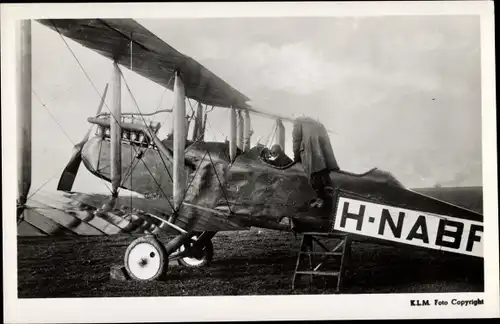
x=200, y=258
x=146, y=259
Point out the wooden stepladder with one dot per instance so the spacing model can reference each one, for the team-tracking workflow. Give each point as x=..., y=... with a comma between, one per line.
x=339, y=254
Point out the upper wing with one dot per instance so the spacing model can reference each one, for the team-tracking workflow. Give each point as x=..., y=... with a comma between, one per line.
x=149, y=56
x=154, y=59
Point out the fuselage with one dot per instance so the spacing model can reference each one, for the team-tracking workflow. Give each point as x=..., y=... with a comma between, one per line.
x=254, y=190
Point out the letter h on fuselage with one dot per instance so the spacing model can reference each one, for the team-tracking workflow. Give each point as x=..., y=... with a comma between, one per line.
x=358, y=217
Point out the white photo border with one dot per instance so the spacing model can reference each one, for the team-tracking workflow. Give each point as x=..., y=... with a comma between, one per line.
x=247, y=308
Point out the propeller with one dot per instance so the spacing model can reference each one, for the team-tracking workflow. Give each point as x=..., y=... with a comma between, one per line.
x=69, y=174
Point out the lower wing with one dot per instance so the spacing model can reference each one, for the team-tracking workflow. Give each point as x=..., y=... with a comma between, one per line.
x=62, y=213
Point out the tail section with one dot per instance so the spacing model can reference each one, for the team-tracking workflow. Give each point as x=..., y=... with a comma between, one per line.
x=406, y=217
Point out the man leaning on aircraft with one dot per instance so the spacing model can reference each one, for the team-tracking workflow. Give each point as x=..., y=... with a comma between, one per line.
x=312, y=148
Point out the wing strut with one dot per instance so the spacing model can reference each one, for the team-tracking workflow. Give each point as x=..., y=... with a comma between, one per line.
x=247, y=131
x=198, y=122
x=116, y=133
x=240, y=129
x=179, y=133
x=24, y=114
x=232, y=140
x=280, y=133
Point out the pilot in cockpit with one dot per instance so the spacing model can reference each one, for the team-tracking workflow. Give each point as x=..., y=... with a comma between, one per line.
x=277, y=156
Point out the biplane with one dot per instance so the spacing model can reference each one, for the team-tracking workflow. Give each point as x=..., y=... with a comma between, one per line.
x=196, y=188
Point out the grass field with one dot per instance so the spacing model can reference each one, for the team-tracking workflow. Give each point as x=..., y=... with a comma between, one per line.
x=245, y=263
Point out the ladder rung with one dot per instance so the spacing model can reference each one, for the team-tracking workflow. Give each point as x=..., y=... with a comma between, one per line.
x=322, y=253
x=320, y=273
x=308, y=239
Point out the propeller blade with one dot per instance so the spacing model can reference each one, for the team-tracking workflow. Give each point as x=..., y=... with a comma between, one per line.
x=70, y=171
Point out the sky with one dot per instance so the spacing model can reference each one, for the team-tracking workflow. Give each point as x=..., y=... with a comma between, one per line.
x=401, y=93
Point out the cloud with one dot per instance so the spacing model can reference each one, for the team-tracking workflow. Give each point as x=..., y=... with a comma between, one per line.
x=299, y=69
x=292, y=67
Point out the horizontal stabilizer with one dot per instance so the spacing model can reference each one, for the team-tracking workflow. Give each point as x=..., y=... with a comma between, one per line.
x=416, y=223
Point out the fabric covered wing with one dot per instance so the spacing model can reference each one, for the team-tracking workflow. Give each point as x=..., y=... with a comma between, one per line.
x=190, y=219
x=151, y=57
x=62, y=213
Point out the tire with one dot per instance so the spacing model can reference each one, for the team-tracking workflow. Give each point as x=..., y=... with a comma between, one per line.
x=203, y=261
x=146, y=259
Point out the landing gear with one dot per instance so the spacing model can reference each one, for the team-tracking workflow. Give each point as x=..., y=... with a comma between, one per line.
x=197, y=257
x=146, y=259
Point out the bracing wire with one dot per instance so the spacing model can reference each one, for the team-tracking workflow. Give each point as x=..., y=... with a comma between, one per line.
x=88, y=78
x=86, y=74
x=146, y=125
x=151, y=134
x=144, y=120
x=131, y=154
x=81, y=67
x=213, y=165
x=211, y=129
x=201, y=123
x=271, y=136
x=132, y=167
x=65, y=133
x=52, y=116
x=220, y=183
x=161, y=98
x=194, y=176
x=213, y=134
x=191, y=106
x=95, y=88
x=43, y=185
x=159, y=187
x=97, y=91
x=130, y=170
x=194, y=142
x=159, y=105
